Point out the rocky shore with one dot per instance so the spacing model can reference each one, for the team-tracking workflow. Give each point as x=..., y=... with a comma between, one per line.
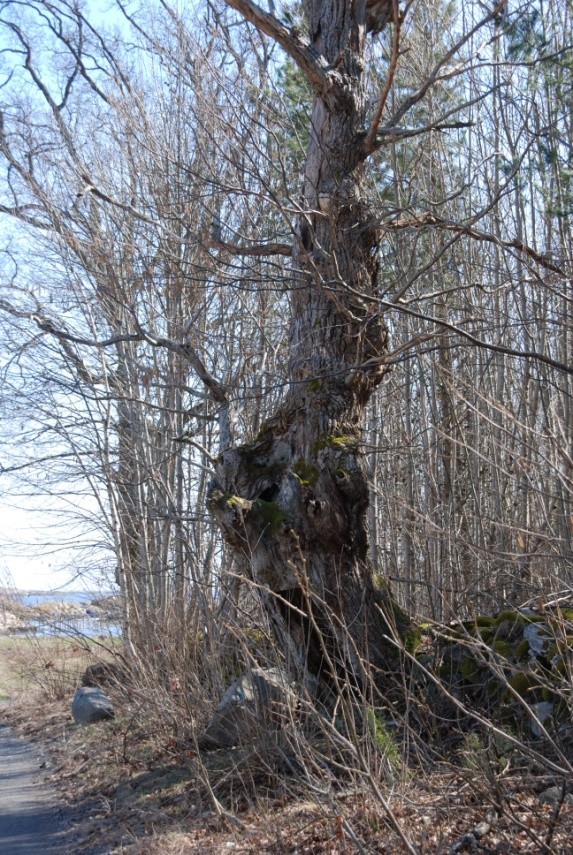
x=16, y=617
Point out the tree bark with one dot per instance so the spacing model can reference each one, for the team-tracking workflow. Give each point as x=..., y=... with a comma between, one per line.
x=293, y=503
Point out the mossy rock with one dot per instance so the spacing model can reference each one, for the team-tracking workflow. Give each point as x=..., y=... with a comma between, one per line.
x=510, y=624
x=491, y=659
x=522, y=650
x=515, y=616
x=470, y=669
x=484, y=621
x=523, y=683
x=412, y=639
x=502, y=648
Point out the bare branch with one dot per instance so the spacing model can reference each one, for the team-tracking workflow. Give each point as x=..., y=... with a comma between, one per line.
x=494, y=348
x=256, y=250
x=428, y=219
x=319, y=73
x=371, y=136
x=436, y=74
x=387, y=135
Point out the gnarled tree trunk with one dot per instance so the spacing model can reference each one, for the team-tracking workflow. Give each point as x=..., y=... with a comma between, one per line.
x=293, y=503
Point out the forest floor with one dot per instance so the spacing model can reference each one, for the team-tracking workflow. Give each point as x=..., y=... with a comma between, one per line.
x=136, y=789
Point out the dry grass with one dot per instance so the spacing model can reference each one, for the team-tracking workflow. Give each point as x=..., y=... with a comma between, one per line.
x=139, y=784
x=50, y=664
x=137, y=790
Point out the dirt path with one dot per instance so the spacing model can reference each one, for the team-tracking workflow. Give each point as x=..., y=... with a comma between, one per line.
x=31, y=822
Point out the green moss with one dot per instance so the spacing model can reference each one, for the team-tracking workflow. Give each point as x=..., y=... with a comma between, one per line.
x=236, y=502
x=512, y=616
x=412, y=639
x=342, y=474
x=307, y=474
x=509, y=616
x=484, y=621
x=445, y=672
x=510, y=624
x=260, y=646
x=340, y=440
x=502, y=648
x=334, y=440
x=469, y=669
x=548, y=695
x=257, y=636
x=401, y=620
x=273, y=514
x=315, y=385
x=383, y=740
x=486, y=635
x=522, y=650
x=554, y=650
x=523, y=684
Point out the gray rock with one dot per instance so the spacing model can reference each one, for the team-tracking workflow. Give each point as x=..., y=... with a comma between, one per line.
x=538, y=637
x=542, y=711
x=90, y=705
x=259, y=699
x=552, y=796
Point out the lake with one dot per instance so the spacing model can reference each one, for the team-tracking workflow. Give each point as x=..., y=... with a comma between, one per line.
x=68, y=613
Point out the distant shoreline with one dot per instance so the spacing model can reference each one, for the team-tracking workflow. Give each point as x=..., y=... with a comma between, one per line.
x=45, y=612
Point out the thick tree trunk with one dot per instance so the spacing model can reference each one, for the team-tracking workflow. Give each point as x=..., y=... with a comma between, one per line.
x=293, y=503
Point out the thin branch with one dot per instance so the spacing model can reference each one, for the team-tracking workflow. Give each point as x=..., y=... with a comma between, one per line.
x=435, y=74
x=217, y=389
x=428, y=219
x=257, y=250
x=371, y=136
x=495, y=348
x=388, y=134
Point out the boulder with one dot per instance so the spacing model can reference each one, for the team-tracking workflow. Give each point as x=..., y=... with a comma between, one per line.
x=504, y=664
x=554, y=796
x=90, y=705
x=259, y=699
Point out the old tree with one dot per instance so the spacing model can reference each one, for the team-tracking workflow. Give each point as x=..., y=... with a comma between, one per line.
x=293, y=503
x=133, y=270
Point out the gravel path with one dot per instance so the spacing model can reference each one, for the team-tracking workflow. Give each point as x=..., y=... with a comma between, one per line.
x=30, y=821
